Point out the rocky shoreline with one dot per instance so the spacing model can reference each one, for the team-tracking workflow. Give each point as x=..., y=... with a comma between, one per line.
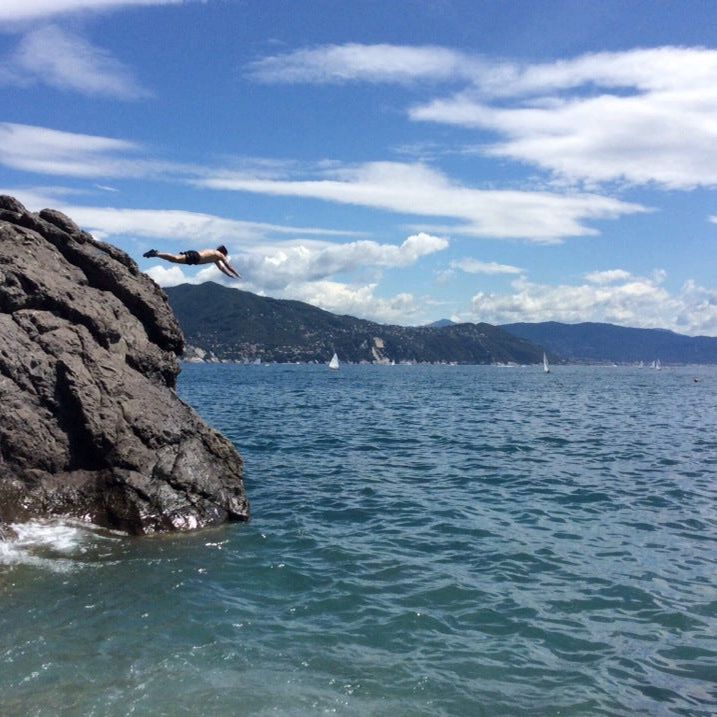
x=90, y=425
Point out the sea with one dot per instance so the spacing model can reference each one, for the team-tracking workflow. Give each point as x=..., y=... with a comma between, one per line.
x=425, y=540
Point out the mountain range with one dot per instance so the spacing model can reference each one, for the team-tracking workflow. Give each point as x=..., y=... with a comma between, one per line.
x=596, y=343
x=240, y=326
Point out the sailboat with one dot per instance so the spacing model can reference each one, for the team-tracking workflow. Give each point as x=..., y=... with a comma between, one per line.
x=658, y=365
x=334, y=363
x=546, y=367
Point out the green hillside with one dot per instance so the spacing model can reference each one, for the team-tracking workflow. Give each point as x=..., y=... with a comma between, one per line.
x=241, y=326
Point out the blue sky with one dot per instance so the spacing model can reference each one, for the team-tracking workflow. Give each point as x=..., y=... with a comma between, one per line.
x=400, y=161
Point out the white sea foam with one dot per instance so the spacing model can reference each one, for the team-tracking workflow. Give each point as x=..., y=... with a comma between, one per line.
x=56, y=545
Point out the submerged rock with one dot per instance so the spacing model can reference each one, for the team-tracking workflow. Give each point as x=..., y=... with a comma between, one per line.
x=90, y=424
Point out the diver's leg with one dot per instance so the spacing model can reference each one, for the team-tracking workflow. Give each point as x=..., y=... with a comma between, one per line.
x=175, y=258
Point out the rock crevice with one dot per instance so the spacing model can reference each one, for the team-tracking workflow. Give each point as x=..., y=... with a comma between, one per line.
x=90, y=425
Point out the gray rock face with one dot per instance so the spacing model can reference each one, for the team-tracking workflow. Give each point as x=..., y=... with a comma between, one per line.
x=90, y=425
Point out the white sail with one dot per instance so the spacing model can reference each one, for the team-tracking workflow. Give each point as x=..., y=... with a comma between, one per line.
x=334, y=363
x=658, y=365
x=546, y=367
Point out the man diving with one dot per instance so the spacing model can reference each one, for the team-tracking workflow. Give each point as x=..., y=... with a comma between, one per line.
x=216, y=256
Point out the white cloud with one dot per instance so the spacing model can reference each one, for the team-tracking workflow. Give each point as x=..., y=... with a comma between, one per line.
x=21, y=10
x=473, y=266
x=49, y=151
x=175, y=274
x=641, y=116
x=360, y=301
x=279, y=266
x=648, y=116
x=646, y=69
x=44, y=150
x=635, y=301
x=168, y=276
x=607, y=277
x=195, y=228
x=306, y=271
x=55, y=57
x=419, y=190
x=368, y=63
x=413, y=189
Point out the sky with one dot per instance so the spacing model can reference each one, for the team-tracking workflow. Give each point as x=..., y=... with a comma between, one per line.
x=404, y=161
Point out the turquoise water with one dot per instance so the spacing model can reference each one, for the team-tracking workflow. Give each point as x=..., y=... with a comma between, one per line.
x=425, y=541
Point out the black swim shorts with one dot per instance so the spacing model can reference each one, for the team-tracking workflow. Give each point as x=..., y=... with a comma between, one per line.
x=191, y=255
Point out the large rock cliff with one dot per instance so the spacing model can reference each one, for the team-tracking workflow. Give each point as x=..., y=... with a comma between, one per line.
x=90, y=424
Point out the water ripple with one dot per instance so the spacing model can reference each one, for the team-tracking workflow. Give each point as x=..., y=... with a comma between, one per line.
x=426, y=541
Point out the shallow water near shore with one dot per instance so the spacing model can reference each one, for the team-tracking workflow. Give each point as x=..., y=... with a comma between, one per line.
x=426, y=540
